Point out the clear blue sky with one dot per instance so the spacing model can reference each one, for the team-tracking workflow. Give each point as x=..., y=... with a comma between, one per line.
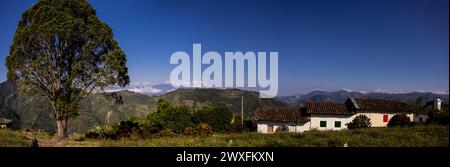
x=399, y=45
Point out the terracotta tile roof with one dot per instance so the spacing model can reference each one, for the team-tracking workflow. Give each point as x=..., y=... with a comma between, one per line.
x=286, y=114
x=327, y=108
x=383, y=105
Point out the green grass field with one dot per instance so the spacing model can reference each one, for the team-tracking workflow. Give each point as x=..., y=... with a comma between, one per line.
x=416, y=136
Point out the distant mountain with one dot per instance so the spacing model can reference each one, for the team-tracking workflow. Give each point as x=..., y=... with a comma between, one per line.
x=146, y=88
x=342, y=95
x=36, y=113
x=228, y=97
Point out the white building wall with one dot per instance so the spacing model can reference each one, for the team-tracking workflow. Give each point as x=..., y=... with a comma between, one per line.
x=376, y=118
x=263, y=126
x=330, y=121
x=420, y=117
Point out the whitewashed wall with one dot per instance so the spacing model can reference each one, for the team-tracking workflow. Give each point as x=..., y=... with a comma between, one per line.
x=417, y=117
x=376, y=119
x=330, y=119
x=262, y=126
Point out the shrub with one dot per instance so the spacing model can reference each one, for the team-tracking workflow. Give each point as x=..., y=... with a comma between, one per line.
x=204, y=129
x=399, y=120
x=438, y=117
x=175, y=117
x=360, y=121
x=236, y=125
x=250, y=125
x=102, y=132
x=127, y=128
x=218, y=117
x=189, y=131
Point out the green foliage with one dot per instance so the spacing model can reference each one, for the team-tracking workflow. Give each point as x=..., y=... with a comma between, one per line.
x=128, y=128
x=360, y=121
x=218, y=117
x=167, y=116
x=399, y=120
x=103, y=132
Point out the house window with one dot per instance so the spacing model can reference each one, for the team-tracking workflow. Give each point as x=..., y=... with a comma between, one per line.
x=269, y=128
x=323, y=123
x=337, y=124
x=385, y=118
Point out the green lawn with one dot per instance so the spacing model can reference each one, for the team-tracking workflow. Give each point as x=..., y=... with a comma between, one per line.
x=417, y=136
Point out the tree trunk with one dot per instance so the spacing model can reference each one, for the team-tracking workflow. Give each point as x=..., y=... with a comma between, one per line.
x=62, y=128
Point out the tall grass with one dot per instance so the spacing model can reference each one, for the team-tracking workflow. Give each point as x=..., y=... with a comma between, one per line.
x=9, y=138
x=416, y=136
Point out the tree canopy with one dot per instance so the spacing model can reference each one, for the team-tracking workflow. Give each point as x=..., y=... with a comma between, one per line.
x=63, y=52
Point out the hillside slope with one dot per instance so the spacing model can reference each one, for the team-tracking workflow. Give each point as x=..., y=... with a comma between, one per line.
x=36, y=113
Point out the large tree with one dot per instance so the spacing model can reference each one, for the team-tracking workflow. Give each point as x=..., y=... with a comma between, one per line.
x=63, y=52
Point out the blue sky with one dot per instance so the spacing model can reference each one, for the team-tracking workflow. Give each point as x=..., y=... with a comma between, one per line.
x=396, y=45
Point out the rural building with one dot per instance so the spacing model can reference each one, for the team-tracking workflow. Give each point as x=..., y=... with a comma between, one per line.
x=379, y=111
x=328, y=116
x=331, y=116
x=5, y=123
x=436, y=105
x=269, y=120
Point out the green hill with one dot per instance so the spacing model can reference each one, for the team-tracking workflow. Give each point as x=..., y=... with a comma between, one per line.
x=35, y=112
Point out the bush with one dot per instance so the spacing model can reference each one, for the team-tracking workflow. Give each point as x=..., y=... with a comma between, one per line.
x=167, y=116
x=127, y=128
x=102, y=132
x=360, y=121
x=218, y=117
x=204, y=129
x=250, y=125
x=438, y=117
x=189, y=131
x=399, y=120
x=236, y=125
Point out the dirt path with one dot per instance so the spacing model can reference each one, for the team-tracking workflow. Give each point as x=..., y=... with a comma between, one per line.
x=46, y=141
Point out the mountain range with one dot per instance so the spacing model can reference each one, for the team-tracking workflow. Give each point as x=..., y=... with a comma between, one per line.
x=341, y=95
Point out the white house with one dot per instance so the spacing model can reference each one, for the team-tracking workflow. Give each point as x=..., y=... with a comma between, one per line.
x=379, y=111
x=269, y=120
x=328, y=116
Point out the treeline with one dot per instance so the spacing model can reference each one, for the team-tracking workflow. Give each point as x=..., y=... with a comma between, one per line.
x=174, y=119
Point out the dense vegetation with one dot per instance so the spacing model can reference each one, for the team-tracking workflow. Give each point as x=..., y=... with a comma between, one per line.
x=168, y=120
